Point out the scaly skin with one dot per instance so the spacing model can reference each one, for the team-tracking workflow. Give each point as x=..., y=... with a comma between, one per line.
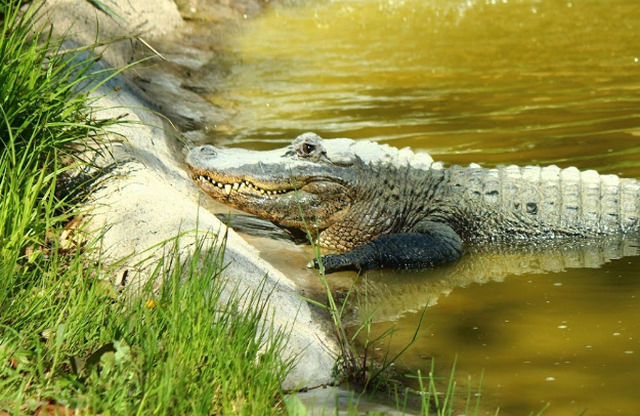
x=383, y=207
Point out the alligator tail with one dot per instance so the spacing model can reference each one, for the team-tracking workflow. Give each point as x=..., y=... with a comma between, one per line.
x=564, y=201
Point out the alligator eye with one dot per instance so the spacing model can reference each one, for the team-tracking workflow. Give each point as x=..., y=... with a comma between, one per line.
x=306, y=149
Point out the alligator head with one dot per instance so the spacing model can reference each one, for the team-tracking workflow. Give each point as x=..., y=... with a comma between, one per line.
x=283, y=185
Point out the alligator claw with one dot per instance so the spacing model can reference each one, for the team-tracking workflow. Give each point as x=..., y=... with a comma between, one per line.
x=331, y=263
x=334, y=263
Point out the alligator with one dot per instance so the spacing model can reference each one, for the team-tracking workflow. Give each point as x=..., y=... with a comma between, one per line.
x=376, y=206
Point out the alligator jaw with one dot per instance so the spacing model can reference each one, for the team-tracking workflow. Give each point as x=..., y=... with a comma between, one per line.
x=281, y=201
x=244, y=186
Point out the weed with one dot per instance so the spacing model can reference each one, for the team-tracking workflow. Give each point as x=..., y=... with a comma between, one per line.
x=70, y=342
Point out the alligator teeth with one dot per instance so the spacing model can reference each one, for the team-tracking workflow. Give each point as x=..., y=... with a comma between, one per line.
x=237, y=186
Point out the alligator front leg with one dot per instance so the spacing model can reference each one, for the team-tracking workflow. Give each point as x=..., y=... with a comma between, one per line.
x=427, y=245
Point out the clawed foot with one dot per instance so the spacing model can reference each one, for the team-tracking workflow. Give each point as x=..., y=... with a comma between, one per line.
x=334, y=263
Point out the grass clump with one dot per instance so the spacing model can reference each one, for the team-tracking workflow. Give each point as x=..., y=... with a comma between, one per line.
x=373, y=374
x=184, y=349
x=70, y=343
x=68, y=339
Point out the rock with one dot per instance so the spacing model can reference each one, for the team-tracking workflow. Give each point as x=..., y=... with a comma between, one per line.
x=219, y=10
x=149, y=198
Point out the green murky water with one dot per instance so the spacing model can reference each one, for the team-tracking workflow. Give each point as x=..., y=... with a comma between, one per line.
x=518, y=81
x=493, y=82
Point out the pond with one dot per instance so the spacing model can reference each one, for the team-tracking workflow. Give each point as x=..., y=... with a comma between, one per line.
x=492, y=82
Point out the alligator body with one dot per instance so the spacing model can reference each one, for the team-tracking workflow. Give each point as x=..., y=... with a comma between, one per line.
x=378, y=206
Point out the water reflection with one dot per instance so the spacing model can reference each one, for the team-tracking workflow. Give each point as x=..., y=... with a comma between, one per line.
x=570, y=339
x=394, y=294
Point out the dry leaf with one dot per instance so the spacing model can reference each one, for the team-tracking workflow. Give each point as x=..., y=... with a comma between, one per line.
x=67, y=240
x=54, y=409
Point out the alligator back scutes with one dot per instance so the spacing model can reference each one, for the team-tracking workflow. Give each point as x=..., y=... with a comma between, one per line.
x=550, y=200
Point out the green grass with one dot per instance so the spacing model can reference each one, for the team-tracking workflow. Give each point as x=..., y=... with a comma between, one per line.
x=68, y=339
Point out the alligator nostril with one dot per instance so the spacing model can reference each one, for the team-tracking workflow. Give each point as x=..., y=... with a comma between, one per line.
x=207, y=150
x=200, y=154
